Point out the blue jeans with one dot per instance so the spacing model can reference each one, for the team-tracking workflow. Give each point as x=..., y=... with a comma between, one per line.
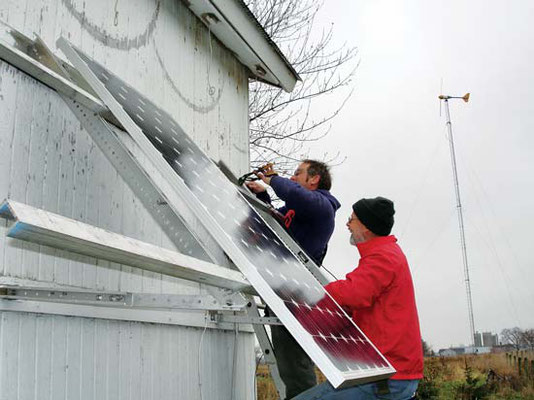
x=398, y=390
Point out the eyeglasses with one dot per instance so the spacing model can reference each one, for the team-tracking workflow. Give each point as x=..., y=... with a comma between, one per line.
x=351, y=218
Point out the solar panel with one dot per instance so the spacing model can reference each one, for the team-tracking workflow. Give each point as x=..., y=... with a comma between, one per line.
x=323, y=329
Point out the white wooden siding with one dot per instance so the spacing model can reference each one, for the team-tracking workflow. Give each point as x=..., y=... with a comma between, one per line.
x=54, y=357
x=47, y=160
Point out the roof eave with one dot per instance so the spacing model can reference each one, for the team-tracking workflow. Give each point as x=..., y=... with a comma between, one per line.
x=236, y=27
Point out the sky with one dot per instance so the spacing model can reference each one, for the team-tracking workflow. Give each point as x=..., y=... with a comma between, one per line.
x=396, y=146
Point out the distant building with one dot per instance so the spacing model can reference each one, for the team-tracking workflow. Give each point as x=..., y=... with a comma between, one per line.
x=447, y=352
x=489, y=339
x=478, y=339
x=458, y=351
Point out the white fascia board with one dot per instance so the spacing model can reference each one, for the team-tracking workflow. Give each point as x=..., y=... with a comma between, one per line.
x=239, y=31
x=43, y=227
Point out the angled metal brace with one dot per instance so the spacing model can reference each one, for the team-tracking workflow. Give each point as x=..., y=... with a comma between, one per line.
x=266, y=347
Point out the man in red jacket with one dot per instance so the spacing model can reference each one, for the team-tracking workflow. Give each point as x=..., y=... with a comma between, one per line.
x=379, y=293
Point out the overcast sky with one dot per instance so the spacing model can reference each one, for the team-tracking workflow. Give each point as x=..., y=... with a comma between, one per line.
x=396, y=146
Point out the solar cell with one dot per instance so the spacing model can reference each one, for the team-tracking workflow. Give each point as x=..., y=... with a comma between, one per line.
x=326, y=333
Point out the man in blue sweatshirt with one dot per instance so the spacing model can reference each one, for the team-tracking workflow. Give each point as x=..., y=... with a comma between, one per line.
x=309, y=213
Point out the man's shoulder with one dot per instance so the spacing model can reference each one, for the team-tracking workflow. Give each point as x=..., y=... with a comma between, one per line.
x=387, y=251
x=329, y=197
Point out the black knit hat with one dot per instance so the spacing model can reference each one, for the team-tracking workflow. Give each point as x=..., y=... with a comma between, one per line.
x=376, y=214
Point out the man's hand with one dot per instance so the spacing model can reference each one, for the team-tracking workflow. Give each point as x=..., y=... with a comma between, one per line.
x=267, y=173
x=265, y=179
x=255, y=187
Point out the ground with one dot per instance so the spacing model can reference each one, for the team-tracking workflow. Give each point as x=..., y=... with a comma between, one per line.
x=488, y=376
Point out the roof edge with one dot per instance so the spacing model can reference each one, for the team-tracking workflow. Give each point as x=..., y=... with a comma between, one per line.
x=237, y=28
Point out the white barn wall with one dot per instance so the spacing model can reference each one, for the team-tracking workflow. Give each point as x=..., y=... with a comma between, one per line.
x=47, y=160
x=55, y=357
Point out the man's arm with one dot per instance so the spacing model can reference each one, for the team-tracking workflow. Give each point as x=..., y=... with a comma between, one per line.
x=295, y=196
x=362, y=286
x=260, y=191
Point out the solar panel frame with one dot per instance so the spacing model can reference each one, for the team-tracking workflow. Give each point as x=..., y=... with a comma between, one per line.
x=287, y=313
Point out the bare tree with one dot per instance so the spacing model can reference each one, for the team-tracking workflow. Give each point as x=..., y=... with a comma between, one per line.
x=427, y=349
x=513, y=336
x=283, y=124
x=528, y=338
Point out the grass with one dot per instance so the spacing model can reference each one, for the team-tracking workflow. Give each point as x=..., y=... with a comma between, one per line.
x=481, y=377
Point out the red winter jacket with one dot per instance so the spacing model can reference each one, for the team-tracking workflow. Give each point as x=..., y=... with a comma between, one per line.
x=380, y=294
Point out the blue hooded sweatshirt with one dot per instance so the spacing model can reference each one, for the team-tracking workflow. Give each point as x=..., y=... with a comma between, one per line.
x=309, y=214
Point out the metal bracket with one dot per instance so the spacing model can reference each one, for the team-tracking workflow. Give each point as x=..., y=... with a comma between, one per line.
x=215, y=312
x=117, y=299
x=216, y=316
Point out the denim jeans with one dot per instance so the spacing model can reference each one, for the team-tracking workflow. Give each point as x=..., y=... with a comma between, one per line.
x=398, y=390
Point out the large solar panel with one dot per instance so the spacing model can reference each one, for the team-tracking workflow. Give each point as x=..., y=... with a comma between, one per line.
x=323, y=329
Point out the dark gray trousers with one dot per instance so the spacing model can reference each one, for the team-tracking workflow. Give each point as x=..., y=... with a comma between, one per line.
x=296, y=368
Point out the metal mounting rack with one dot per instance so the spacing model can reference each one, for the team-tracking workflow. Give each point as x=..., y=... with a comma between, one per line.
x=34, y=58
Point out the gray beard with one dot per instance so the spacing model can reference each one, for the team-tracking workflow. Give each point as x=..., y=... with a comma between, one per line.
x=352, y=241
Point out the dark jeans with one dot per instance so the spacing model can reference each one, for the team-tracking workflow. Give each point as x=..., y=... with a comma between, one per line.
x=296, y=368
x=398, y=390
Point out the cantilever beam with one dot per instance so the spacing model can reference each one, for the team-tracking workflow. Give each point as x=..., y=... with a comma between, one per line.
x=43, y=227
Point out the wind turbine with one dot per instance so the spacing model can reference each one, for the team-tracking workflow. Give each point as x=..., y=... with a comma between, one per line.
x=446, y=99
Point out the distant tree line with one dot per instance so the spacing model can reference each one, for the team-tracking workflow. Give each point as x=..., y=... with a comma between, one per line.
x=519, y=338
x=427, y=349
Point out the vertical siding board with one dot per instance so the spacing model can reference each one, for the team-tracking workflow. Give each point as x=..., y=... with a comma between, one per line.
x=113, y=359
x=136, y=363
x=59, y=361
x=15, y=13
x=209, y=380
x=8, y=100
x=38, y=136
x=124, y=360
x=109, y=218
x=66, y=166
x=47, y=26
x=175, y=337
x=146, y=362
x=19, y=168
x=131, y=278
x=82, y=147
x=96, y=161
x=193, y=344
x=67, y=26
x=158, y=391
x=49, y=201
x=43, y=356
x=101, y=359
x=26, y=369
x=74, y=358
x=10, y=355
x=151, y=281
x=87, y=368
x=165, y=373
x=74, y=187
